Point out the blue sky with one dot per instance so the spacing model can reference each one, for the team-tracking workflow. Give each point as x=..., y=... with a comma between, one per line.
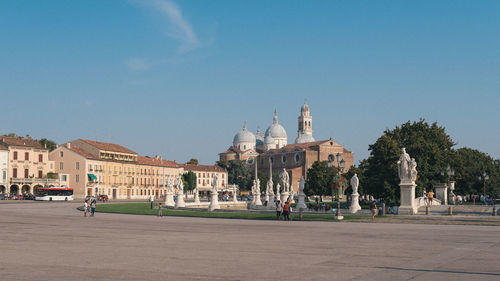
x=179, y=78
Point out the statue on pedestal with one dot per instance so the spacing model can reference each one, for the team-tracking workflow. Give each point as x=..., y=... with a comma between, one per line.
x=257, y=200
x=407, y=168
x=302, y=195
x=180, y=193
x=285, y=180
x=235, y=199
x=407, y=172
x=196, y=196
x=355, y=195
x=214, y=202
x=169, y=198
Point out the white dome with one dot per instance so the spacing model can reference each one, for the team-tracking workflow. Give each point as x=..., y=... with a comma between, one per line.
x=244, y=137
x=276, y=130
x=269, y=140
x=304, y=138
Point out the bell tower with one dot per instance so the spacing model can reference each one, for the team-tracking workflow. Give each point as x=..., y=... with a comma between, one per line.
x=305, y=121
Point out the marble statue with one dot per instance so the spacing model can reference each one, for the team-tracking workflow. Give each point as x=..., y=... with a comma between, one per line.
x=407, y=172
x=302, y=196
x=180, y=193
x=169, y=197
x=278, y=191
x=196, y=196
x=258, y=201
x=405, y=166
x=355, y=195
x=214, y=195
x=285, y=180
x=235, y=199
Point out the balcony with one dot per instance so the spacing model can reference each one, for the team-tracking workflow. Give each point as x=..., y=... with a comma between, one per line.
x=35, y=181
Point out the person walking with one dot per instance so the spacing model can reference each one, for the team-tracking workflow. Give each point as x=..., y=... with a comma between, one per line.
x=286, y=211
x=279, y=209
x=373, y=208
x=92, y=207
x=431, y=196
x=160, y=214
x=85, y=208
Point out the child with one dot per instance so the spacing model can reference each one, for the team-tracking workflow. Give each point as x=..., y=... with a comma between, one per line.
x=279, y=209
x=373, y=208
x=85, y=208
x=160, y=214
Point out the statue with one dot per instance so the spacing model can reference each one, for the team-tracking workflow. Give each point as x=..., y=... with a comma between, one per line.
x=302, y=195
x=355, y=196
x=413, y=170
x=285, y=180
x=180, y=193
x=256, y=194
x=278, y=191
x=214, y=201
x=354, y=184
x=404, y=164
x=169, y=197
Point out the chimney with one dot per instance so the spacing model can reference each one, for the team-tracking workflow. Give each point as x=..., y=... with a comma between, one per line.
x=68, y=145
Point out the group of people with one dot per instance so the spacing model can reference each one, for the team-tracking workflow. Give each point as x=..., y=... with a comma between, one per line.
x=283, y=209
x=89, y=207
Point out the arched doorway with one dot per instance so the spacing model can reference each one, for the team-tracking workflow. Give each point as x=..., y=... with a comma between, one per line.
x=3, y=189
x=25, y=189
x=14, y=189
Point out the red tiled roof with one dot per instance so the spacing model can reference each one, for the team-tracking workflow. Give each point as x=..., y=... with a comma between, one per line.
x=109, y=146
x=3, y=147
x=203, y=168
x=231, y=150
x=82, y=152
x=305, y=145
x=20, y=141
x=145, y=160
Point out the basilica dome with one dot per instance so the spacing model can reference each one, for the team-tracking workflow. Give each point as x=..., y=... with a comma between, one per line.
x=276, y=130
x=244, y=139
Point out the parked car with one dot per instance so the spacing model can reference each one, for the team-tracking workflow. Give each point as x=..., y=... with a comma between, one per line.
x=28, y=196
x=103, y=198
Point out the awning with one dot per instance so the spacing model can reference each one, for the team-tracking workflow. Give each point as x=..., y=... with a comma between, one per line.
x=92, y=177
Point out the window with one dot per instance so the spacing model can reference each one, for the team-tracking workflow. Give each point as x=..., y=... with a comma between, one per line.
x=15, y=155
x=297, y=157
x=78, y=165
x=283, y=159
x=61, y=154
x=26, y=173
x=14, y=173
x=40, y=157
x=64, y=178
x=40, y=174
x=61, y=166
x=77, y=178
x=26, y=156
x=4, y=175
x=331, y=158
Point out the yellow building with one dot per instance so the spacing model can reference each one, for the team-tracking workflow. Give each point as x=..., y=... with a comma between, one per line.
x=105, y=168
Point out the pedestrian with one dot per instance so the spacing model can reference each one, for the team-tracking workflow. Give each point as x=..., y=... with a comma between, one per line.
x=431, y=196
x=373, y=208
x=92, y=207
x=160, y=214
x=85, y=208
x=286, y=211
x=279, y=209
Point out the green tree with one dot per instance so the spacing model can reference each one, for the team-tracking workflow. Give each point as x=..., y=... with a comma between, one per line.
x=319, y=179
x=192, y=161
x=428, y=144
x=469, y=165
x=189, y=180
x=51, y=145
x=10, y=135
x=238, y=173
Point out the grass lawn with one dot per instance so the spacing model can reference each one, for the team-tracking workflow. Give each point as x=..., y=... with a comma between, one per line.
x=144, y=209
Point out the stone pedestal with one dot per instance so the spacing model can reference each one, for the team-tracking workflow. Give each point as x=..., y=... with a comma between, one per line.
x=196, y=197
x=302, y=201
x=214, y=202
x=290, y=197
x=284, y=197
x=258, y=201
x=442, y=193
x=270, y=203
x=169, y=200
x=355, y=203
x=180, y=201
x=408, y=205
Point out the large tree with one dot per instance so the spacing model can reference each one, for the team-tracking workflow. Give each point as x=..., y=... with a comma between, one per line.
x=470, y=165
x=320, y=178
x=51, y=145
x=238, y=173
x=429, y=144
x=189, y=180
x=192, y=161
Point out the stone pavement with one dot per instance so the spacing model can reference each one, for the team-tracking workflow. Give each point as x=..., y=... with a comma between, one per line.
x=53, y=241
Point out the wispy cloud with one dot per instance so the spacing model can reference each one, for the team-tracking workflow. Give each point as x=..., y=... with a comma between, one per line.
x=179, y=28
x=137, y=64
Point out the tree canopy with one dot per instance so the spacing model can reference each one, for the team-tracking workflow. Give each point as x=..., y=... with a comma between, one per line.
x=192, y=161
x=319, y=179
x=189, y=180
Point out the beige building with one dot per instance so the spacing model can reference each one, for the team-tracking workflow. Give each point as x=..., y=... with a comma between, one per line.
x=28, y=165
x=105, y=168
x=205, y=175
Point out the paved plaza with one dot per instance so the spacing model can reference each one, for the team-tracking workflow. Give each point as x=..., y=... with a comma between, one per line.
x=53, y=241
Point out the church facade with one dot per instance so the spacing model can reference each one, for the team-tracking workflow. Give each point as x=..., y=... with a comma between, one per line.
x=272, y=150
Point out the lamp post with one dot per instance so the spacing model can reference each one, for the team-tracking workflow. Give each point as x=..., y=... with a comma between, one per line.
x=341, y=166
x=484, y=177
